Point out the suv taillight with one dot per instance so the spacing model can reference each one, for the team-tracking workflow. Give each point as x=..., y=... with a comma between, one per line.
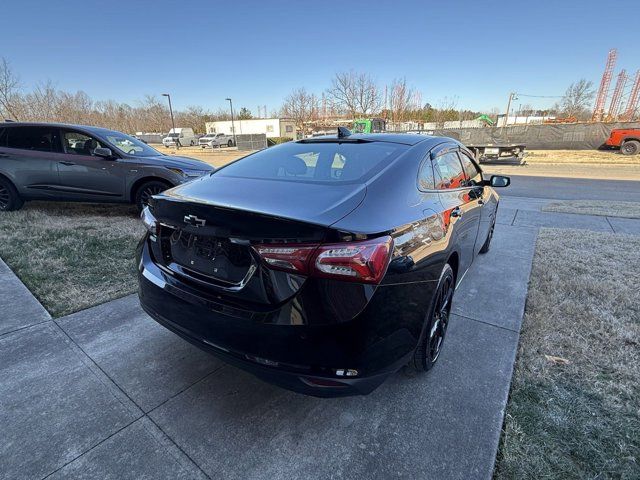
x=363, y=262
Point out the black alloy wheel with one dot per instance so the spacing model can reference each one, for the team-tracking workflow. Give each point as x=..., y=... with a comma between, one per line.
x=148, y=190
x=5, y=197
x=9, y=197
x=428, y=350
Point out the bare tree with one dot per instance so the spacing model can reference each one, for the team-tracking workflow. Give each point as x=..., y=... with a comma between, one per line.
x=577, y=99
x=354, y=93
x=9, y=90
x=402, y=100
x=302, y=107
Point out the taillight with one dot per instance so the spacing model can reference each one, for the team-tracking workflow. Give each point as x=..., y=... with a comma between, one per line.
x=364, y=262
x=289, y=257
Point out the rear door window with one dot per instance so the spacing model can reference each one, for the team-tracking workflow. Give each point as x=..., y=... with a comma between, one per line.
x=41, y=139
x=3, y=137
x=329, y=162
x=448, y=171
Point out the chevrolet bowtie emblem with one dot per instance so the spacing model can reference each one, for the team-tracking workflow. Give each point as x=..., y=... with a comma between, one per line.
x=194, y=221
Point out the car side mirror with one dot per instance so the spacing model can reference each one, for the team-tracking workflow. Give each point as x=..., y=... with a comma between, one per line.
x=499, y=181
x=103, y=152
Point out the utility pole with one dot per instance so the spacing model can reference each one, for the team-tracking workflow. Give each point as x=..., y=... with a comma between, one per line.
x=512, y=96
x=173, y=125
x=233, y=127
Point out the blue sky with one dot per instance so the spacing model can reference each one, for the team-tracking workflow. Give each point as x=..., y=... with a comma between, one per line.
x=258, y=51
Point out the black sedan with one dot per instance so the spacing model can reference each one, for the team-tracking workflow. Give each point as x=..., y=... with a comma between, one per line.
x=322, y=265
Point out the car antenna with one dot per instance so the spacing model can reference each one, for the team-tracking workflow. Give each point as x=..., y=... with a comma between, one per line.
x=343, y=132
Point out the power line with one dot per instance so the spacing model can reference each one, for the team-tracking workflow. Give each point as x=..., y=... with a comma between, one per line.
x=538, y=96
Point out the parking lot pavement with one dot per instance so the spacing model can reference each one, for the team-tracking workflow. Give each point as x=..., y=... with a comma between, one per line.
x=19, y=308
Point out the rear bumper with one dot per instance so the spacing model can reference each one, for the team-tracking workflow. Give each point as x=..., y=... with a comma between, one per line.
x=296, y=357
x=296, y=381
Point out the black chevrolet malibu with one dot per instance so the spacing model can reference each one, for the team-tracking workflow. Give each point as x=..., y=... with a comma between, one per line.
x=322, y=265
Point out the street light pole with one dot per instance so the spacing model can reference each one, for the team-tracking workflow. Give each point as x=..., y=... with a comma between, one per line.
x=173, y=124
x=233, y=127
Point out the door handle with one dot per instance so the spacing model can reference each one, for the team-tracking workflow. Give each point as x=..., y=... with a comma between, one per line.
x=67, y=163
x=456, y=212
x=2, y=154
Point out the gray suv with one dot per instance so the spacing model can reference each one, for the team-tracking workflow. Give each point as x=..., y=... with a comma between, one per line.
x=46, y=161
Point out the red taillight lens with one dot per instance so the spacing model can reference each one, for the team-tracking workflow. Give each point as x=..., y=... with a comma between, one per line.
x=356, y=261
x=289, y=257
x=364, y=262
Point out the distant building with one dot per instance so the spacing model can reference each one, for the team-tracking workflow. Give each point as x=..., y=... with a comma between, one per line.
x=271, y=127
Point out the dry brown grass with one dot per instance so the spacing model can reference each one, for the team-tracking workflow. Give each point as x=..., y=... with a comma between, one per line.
x=216, y=157
x=72, y=256
x=580, y=419
x=603, y=208
x=602, y=157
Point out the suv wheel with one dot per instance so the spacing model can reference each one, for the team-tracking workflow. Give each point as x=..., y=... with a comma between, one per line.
x=9, y=197
x=430, y=345
x=230, y=143
x=630, y=147
x=147, y=190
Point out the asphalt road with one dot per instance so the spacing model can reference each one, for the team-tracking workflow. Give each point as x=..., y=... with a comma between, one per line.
x=572, y=188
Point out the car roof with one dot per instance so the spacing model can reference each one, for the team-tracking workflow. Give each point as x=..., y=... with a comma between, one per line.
x=89, y=128
x=402, y=138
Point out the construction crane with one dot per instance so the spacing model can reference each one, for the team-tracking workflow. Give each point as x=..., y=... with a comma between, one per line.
x=614, y=106
x=634, y=100
x=601, y=99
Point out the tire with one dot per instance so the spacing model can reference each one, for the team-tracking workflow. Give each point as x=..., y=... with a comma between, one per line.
x=487, y=243
x=9, y=197
x=630, y=147
x=191, y=144
x=230, y=143
x=147, y=190
x=432, y=337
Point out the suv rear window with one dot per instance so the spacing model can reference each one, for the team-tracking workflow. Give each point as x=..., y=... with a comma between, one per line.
x=41, y=139
x=325, y=162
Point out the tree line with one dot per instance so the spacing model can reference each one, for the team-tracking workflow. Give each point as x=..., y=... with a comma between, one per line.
x=350, y=95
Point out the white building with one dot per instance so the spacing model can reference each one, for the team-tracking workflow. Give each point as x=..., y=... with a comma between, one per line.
x=271, y=127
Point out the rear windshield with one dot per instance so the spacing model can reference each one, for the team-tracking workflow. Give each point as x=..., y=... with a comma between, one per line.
x=316, y=162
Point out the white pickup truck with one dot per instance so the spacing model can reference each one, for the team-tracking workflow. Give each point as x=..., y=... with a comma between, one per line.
x=216, y=140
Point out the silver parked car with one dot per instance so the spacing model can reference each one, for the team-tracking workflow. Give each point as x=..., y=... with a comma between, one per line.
x=45, y=161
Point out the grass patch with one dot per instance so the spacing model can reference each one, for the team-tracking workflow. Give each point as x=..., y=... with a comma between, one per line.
x=72, y=256
x=601, y=207
x=602, y=157
x=580, y=419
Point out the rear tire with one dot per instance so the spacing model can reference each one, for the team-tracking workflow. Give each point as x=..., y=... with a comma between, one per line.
x=147, y=190
x=9, y=197
x=630, y=147
x=229, y=143
x=432, y=337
